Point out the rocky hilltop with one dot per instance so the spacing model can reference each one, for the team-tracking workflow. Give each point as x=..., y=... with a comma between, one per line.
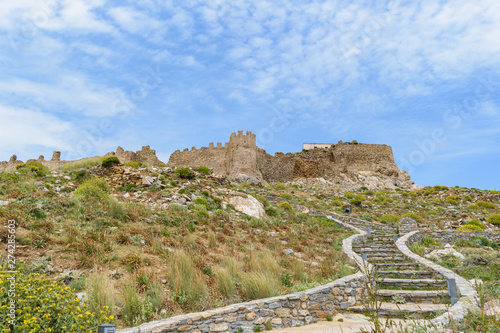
x=240, y=159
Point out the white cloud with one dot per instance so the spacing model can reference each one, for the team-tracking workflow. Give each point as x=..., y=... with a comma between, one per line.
x=23, y=128
x=133, y=21
x=69, y=94
x=56, y=15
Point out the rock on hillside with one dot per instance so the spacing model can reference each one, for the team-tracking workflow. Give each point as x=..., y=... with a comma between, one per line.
x=248, y=205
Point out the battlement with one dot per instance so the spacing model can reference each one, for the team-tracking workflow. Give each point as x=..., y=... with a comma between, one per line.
x=241, y=156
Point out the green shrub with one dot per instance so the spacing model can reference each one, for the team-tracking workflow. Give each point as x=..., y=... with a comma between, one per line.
x=270, y=211
x=133, y=164
x=205, y=193
x=202, y=214
x=493, y=219
x=485, y=204
x=109, y=161
x=428, y=241
x=286, y=206
x=360, y=197
x=477, y=224
x=417, y=248
x=469, y=227
x=280, y=186
x=337, y=202
x=473, y=207
x=389, y=218
x=129, y=188
x=204, y=170
x=262, y=200
x=451, y=202
x=33, y=166
x=356, y=202
x=201, y=201
x=95, y=189
x=185, y=173
x=414, y=216
x=55, y=306
x=286, y=196
x=348, y=195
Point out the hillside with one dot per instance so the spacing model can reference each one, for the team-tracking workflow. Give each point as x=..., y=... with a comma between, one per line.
x=169, y=241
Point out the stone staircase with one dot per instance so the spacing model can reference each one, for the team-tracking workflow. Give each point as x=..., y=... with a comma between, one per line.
x=404, y=289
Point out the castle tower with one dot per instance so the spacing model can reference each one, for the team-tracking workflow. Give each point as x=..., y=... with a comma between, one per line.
x=242, y=155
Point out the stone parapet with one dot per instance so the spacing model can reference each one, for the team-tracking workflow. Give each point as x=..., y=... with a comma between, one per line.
x=457, y=312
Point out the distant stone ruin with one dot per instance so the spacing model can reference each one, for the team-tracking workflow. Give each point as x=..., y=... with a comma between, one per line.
x=145, y=155
x=241, y=159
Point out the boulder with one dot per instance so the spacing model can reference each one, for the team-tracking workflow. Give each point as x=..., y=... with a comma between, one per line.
x=448, y=249
x=242, y=178
x=492, y=308
x=249, y=205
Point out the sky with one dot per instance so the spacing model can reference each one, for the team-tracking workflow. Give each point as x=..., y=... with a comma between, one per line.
x=86, y=76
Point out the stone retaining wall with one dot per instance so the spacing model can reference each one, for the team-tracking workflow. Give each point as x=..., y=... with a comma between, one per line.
x=283, y=311
x=300, y=308
x=364, y=224
x=469, y=295
x=447, y=236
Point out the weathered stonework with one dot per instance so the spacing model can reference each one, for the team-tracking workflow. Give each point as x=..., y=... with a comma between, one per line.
x=458, y=311
x=406, y=225
x=145, y=155
x=241, y=156
x=283, y=311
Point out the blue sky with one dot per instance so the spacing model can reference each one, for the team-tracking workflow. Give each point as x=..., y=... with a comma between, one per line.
x=86, y=76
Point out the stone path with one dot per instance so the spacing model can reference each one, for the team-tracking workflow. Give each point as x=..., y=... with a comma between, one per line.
x=349, y=323
x=405, y=288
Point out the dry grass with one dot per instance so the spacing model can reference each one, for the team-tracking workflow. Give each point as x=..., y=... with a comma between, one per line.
x=256, y=285
x=86, y=163
x=101, y=289
x=264, y=262
x=186, y=282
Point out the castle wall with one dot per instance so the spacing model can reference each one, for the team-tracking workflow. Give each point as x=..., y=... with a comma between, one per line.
x=213, y=158
x=242, y=156
x=277, y=168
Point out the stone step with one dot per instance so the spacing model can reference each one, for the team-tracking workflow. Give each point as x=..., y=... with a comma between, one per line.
x=411, y=310
x=376, y=236
x=407, y=273
x=376, y=259
x=416, y=296
x=417, y=283
x=372, y=242
x=402, y=265
x=375, y=249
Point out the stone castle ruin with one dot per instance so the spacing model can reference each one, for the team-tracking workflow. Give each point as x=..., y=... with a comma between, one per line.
x=145, y=155
x=241, y=159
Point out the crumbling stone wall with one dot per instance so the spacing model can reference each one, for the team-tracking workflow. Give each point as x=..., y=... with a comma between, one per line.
x=145, y=155
x=242, y=156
